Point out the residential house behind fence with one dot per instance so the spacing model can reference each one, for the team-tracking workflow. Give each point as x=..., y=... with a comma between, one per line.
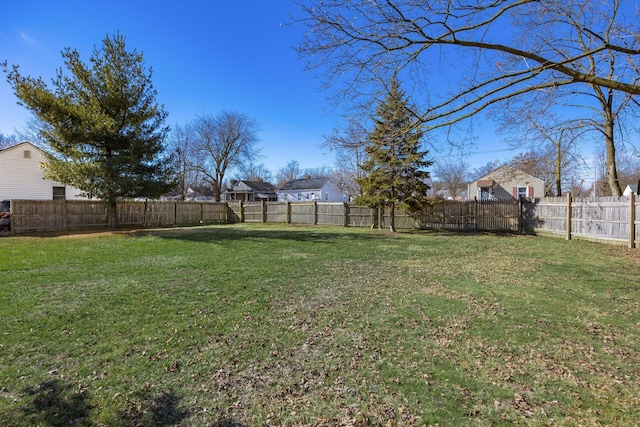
x=23, y=176
x=506, y=183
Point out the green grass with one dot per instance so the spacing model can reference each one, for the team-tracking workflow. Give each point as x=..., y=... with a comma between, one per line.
x=250, y=325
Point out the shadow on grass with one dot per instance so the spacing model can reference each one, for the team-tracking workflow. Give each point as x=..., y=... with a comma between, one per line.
x=222, y=234
x=55, y=403
x=147, y=410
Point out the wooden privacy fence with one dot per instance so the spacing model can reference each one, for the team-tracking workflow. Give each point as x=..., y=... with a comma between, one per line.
x=613, y=220
x=486, y=215
x=33, y=216
x=610, y=220
x=36, y=216
x=314, y=213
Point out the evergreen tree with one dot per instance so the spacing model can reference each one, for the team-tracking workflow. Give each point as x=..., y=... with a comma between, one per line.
x=102, y=122
x=394, y=175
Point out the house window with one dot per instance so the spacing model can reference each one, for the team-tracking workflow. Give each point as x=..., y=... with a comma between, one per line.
x=59, y=193
x=26, y=154
x=521, y=192
x=299, y=196
x=326, y=197
x=286, y=197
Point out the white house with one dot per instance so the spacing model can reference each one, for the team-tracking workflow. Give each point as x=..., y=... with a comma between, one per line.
x=310, y=189
x=631, y=189
x=23, y=178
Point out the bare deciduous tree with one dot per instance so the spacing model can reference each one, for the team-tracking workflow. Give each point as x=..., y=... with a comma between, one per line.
x=223, y=142
x=553, y=142
x=253, y=172
x=181, y=142
x=7, y=140
x=289, y=172
x=349, y=147
x=451, y=175
x=502, y=49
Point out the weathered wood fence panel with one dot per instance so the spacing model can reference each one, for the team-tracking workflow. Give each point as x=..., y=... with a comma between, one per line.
x=600, y=218
x=607, y=219
x=253, y=212
x=217, y=212
x=34, y=216
x=301, y=213
x=275, y=212
x=449, y=215
x=403, y=220
x=362, y=216
x=500, y=215
x=38, y=216
x=160, y=214
x=491, y=215
x=613, y=220
x=130, y=214
x=188, y=213
x=328, y=213
x=81, y=215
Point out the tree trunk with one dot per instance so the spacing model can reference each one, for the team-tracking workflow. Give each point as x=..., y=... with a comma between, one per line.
x=612, y=170
x=112, y=215
x=392, y=218
x=609, y=117
x=559, y=170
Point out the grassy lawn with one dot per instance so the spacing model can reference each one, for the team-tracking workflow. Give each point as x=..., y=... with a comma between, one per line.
x=251, y=325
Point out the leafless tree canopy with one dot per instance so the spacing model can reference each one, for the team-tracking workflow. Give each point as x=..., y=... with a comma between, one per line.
x=348, y=144
x=452, y=176
x=251, y=171
x=223, y=142
x=7, y=141
x=489, y=50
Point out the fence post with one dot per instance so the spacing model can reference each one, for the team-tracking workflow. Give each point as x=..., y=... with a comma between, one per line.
x=520, y=215
x=66, y=213
x=175, y=213
x=144, y=217
x=315, y=212
x=346, y=214
x=632, y=220
x=475, y=215
x=264, y=211
x=568, y=221
x=287, y=217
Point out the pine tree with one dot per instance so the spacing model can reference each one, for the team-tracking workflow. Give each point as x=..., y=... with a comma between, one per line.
x=102, y=123
x=394, y=169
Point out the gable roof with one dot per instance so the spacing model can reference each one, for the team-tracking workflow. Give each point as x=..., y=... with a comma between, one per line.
x=20, y=144
x=256, y=186
x=507, y=170
x=304, y=184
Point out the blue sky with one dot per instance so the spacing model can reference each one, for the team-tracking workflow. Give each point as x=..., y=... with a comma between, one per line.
x=206, y=56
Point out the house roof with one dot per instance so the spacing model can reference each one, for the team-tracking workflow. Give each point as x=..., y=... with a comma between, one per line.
x=256, y=186
x=11, y=147
x=304, y=184
x=506, y=170
x=633, y=188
